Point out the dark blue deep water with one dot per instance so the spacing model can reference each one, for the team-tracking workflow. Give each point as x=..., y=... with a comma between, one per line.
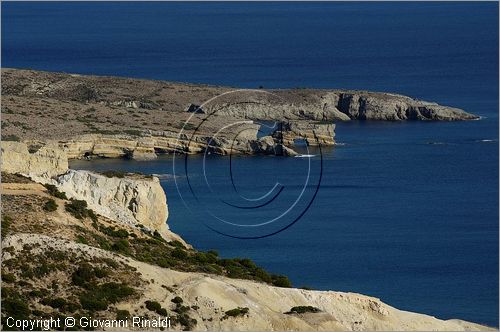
x=407, y=212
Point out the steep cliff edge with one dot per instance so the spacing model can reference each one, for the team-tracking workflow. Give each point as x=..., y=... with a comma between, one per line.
x=332, y=106
x=131, y=199
x=134, y=201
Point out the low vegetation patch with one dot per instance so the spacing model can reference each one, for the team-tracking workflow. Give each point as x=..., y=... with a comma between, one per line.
x=56, y=283
x=100, y=297
x=114, y=174
x=302, y=310
x=153, y=249
x=182, y=316
x=156, y=307
x=236, y=312
x=11, y=137
x=50, y=205
x=78, y=209
x=6, y=223
x=15, y=178
x=122, y=314
x=52, y=190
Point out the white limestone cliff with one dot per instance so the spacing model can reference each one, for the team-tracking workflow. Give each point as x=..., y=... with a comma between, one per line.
x=48, y=161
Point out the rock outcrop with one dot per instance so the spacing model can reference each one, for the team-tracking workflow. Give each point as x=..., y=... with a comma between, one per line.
x=157, y=142
x=135, y=201
x=48, y=160
x=311, y=133
x=334, y=106
x=364, y=105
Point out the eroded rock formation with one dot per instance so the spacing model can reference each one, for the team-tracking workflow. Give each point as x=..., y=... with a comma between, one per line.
x=135, y=201
x=48, y=160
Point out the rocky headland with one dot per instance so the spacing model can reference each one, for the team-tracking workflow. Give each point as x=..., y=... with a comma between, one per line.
x=95, y=116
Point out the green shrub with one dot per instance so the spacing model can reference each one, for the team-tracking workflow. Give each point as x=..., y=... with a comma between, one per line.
x=8, y=277
x=281, y=281
x=177, y=244
x=42, y=270
x=6, y=223
x=156, y=307
x=81, y=239
x=236, y=312
x=247, y=263
x=12, y=137
x=152, y=305
x=99, y=297
x=157, y=235
x=88, y=302
x=113, y=174
x=121, y=246
x=114, y=233
x=122, y=314
x=177, y=300
x=213, y=253
x=15, y=307
x=303, y=309
x=102, y=242
x=181, y=309
x=162, y=312
x=70, y=307
x=78, y=209
x=83, y=274
x=186, y=321
x=50, y=205
x=263, y=275
x=100, y=273
x=179, y=253
x=52, y=190
x=55, y=303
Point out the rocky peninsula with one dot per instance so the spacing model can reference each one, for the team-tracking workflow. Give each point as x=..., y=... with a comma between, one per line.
x=81, y=244
x=93, y=116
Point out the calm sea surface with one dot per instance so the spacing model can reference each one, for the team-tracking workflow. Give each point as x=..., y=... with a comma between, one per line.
x=407, y=212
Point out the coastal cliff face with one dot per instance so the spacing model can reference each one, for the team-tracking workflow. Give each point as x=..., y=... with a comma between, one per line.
x=154, y=143
x=133, y=201
x=48, y=160
x=335, y=106
x=392, y=107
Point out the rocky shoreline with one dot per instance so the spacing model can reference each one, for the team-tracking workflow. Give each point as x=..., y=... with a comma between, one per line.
x=92, y=116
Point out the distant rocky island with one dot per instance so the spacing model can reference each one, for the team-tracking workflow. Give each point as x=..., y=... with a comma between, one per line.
x=84, y=244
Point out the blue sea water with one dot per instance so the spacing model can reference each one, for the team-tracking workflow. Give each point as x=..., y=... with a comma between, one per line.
x=407, y=212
